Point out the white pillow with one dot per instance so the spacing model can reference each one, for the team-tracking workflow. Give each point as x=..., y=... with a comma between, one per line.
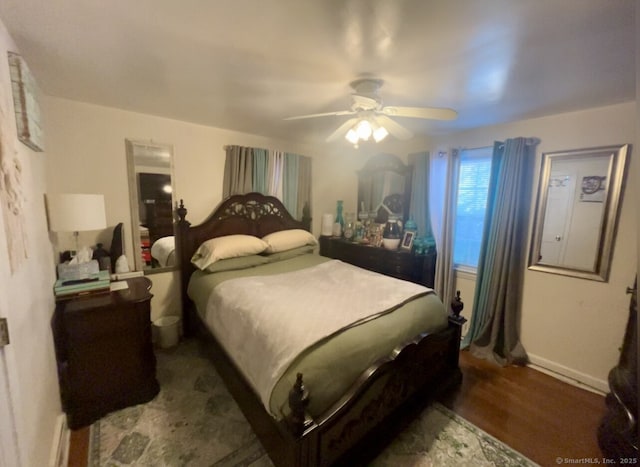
x=288, y=239
x=229, y=246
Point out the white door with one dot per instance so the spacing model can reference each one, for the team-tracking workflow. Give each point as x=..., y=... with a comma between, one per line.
x=557, y=217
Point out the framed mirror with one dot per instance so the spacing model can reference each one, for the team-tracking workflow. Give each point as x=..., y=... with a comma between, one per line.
x=150, y=169
x=577, y=209
x=384, y=187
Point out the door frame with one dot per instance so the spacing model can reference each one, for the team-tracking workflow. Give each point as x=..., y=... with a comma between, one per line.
x=9, y=439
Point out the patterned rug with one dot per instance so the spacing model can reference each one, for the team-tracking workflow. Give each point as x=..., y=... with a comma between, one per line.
x=195, y=422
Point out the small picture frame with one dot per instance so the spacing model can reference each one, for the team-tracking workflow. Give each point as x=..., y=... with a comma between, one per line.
x=407, y=240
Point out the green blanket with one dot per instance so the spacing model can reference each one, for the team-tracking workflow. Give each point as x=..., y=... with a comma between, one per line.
x=330, y=368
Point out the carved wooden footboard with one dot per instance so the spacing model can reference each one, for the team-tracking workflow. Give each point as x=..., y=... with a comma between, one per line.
x=378, y=404
x=394, y=388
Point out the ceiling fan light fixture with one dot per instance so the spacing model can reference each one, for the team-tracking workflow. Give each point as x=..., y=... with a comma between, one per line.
x=380, y=133
x=364, y=130
x=371, y=118
x=352, y=136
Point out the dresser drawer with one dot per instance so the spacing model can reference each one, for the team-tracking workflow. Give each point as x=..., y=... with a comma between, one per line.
x=401, y=264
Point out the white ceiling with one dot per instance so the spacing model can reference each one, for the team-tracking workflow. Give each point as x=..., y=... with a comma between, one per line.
x=247, y=64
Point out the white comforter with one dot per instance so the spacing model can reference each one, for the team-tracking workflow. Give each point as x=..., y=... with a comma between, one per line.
x=264, y=322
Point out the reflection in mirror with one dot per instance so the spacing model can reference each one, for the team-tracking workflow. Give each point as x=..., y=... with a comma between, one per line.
x=384, y=180
x=151, y=199
x=577, y=210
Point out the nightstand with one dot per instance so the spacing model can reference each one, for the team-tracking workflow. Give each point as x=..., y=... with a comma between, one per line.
x=104, y=352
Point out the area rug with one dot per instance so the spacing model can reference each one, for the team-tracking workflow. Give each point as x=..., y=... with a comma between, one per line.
x=194, y=421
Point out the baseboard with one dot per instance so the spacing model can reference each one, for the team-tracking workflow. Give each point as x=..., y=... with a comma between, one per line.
x=60, y=446
x=568, y=375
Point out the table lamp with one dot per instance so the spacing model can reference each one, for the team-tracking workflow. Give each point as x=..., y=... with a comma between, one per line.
x=76, y=213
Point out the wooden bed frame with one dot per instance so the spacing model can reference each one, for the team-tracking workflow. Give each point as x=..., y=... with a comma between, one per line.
x=380, y=403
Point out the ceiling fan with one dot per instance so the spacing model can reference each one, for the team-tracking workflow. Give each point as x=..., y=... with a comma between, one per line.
x=371, y=118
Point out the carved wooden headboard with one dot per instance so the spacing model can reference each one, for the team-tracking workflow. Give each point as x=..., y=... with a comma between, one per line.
x=250, y=214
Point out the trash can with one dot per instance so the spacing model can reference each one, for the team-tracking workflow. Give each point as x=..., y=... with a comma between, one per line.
x=167, y=331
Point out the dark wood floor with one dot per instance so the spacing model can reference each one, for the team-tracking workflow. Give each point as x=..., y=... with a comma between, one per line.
x=534, y=413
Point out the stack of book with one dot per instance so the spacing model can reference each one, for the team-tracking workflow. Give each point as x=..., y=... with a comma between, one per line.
x=94, y=283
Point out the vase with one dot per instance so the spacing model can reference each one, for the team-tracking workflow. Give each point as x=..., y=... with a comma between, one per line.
x=349, y=226
x=419, y=245
x=391, y=234
x=411, y=225
x=339, y=220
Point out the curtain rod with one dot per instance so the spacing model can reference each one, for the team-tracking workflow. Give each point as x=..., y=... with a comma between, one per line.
x=227, y=146
x=463, y=148
x=531, y=141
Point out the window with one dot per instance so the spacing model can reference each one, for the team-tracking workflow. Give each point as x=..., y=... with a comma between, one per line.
x=473, y=186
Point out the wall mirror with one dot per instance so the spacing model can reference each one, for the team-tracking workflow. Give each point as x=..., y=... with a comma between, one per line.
x=150, y=168
x=384, y=186
x=577, y=209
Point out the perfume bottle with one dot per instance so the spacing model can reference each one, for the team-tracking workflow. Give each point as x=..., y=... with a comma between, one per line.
x=350, y=226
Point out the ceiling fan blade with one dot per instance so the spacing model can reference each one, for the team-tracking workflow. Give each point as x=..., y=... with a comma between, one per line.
x=326, y=114
x=342, y=129
x=394, y=128
x=431, y=113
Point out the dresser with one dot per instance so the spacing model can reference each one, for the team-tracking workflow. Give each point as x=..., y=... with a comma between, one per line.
x=104, y=352
x=401, y=264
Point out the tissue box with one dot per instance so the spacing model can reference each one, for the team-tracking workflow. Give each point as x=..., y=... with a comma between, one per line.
x=67, y=272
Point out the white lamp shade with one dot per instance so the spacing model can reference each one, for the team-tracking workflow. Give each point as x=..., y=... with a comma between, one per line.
x=76, y=212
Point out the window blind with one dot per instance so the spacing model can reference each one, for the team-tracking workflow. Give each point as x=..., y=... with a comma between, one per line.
x=471, y=205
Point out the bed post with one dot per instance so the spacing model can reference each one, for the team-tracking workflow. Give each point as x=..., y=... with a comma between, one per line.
x=298, y=400
x=306, y=217
x=182, y=232
x=370, y=412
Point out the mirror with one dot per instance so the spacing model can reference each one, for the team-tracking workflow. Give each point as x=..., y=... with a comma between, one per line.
x=577, y=210
x=384, y=186
x=150, y=168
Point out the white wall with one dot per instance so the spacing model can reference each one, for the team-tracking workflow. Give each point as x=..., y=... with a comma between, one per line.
x=86, y=146
x=87, y=155
x=574, y=326
x=26, y=295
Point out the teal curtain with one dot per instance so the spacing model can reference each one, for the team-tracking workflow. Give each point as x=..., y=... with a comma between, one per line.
x=260, y=171
x=283, y=175
x=419, y=206
x=290, y=183
x=495, y=319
